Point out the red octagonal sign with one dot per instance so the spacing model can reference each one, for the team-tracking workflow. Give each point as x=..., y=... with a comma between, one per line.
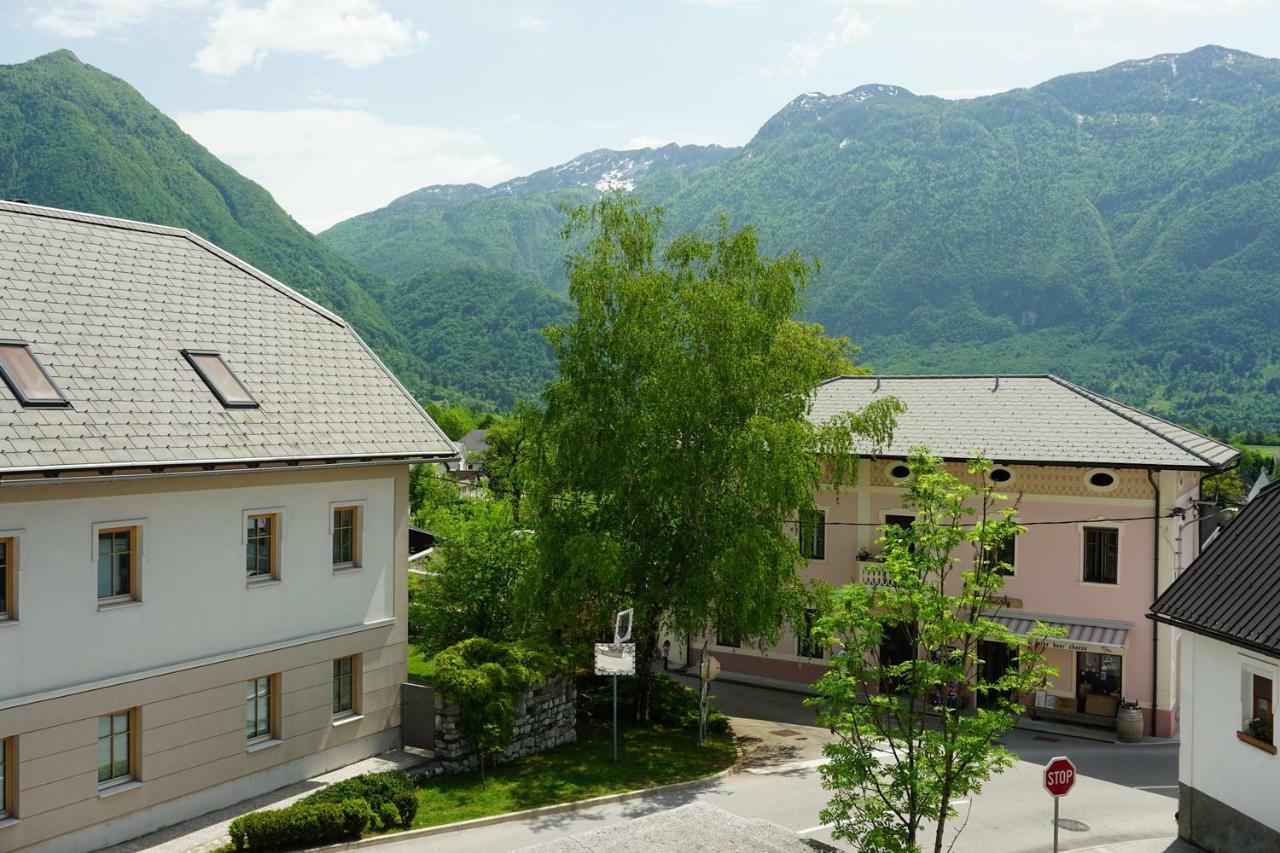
x=1059, y=776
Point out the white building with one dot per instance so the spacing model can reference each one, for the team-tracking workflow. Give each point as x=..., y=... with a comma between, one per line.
x=203, y=532
x=1226, y=606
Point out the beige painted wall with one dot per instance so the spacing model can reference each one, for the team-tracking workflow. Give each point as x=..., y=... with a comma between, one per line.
x=191, y=716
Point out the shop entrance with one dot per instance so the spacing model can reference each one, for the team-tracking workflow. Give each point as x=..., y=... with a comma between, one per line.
x=997, y=659
x=1098, y=680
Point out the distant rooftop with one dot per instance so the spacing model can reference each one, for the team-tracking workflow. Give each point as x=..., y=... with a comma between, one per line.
x=1040, y=420
x=106, y=308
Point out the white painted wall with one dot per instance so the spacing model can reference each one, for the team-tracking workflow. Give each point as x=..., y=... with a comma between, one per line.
x=1210, y=758
x=195, y=601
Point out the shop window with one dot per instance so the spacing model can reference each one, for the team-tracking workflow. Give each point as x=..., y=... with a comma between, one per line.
x=1098, y=679
x=806, y=645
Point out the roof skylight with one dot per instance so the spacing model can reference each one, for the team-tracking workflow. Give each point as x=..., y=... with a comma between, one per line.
x=27, y=378
x=215, y=372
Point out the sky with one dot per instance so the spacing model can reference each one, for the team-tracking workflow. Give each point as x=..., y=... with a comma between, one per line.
x=338, y=107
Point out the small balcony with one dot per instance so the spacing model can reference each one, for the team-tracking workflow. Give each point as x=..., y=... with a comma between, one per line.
x=872, y=573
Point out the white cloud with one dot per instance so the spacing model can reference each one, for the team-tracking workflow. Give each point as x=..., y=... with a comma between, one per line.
x=88, y=18
x=645, y=142
x=325, y=165
x=847, y=27
x=328, y=99
x=357, y=33
x=725, y=4
x=532, y=24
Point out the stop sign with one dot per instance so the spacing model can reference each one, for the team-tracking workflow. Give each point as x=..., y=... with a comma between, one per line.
x=1059, y=776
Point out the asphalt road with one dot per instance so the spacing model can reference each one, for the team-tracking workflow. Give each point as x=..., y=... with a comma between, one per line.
x=1124, y=793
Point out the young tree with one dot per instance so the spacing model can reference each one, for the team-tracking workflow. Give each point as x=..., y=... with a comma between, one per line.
x=509, y=459
x=907, y=744
x=677, y=448
x=479, y=559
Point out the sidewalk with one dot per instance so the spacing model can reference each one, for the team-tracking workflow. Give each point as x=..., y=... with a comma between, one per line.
x=1155, y=845
x=209, y=831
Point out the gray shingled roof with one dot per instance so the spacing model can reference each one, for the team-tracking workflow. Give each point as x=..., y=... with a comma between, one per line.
x=1030, y=419
x=1232, y=590
x=108, y=304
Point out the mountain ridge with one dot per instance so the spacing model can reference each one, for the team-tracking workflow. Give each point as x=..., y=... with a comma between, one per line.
x=1112, y=226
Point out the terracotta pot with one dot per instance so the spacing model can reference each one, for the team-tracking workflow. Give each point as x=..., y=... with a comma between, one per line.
x=1129, y=725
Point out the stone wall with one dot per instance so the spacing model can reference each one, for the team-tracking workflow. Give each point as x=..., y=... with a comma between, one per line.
x=545, y=717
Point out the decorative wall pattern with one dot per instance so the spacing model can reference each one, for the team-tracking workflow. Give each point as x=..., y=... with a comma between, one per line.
x=1043, y=480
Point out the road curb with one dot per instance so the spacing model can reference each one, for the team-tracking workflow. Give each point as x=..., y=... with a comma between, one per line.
x=558, y=808
x=1121, y=846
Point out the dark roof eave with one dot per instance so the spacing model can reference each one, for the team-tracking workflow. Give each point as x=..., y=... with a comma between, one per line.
x=1212, y=633
x=249, y=461
x=1154, y=466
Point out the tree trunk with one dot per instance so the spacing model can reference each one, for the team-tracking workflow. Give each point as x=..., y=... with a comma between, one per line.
x=646, y=637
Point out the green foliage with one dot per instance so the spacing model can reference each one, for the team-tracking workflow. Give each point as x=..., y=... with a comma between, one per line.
x=1230, y=487
x=299, y=825
x=676, y=443
x=906, y=748
x=379, y=790
x=510, y=461
x=670, y=703
x=485, y=679
x=479, y=329
x=479, y=559
x=1116, y=227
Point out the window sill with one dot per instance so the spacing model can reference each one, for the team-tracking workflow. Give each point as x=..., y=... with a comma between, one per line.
x=259, y=745
x=105, y=604
x=1100, y=585
x=349, y=569
x=347, y=718
x=254, y=583
x=110, y=790
x=7, y=620
x=6, y=822
x=1257, y=743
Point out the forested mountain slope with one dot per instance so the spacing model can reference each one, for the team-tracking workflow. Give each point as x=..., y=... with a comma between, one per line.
x=74, y=137
x=1120, y=227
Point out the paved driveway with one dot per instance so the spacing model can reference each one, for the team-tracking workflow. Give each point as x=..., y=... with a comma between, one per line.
x=1123, y=793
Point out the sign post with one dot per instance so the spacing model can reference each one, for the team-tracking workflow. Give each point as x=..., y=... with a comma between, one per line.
x=617, y=658
x=1059, y=779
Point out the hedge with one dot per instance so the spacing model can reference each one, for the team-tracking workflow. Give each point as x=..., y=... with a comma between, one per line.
x=339, y=811
x=300, y=824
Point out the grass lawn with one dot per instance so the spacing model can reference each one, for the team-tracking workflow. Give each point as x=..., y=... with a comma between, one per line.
x=1268, y=449
x=417, y=663
x=648, y=756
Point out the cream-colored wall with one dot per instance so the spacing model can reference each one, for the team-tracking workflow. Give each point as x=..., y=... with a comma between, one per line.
x=1211, y=759
x=195, y=601
x=190, y=699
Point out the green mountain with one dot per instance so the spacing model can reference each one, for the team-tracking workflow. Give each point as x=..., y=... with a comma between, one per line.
x=74, y=137
x=1119, y=227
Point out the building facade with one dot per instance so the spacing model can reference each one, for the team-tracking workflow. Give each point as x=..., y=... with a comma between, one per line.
x=203, y=532
x=1225, y=610
x=1108, y=494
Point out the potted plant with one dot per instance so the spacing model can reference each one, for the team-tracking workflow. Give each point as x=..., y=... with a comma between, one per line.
x=1260, y=728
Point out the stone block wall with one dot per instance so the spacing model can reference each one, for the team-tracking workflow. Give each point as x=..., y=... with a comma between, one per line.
x=545, y=717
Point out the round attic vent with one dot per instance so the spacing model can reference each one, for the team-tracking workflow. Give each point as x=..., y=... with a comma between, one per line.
x=1101, y=480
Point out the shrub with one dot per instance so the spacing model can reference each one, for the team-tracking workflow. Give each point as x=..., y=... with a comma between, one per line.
x=670, y=703
x=485, y=679
x=406, y=803
x=374, y=788
x=300, y=824
x=389, y=815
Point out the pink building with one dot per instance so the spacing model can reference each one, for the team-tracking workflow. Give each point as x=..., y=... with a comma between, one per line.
x=1109, y=495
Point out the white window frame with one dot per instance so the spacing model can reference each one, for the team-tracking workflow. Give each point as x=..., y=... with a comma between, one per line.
x=10, y=616
x=897, y=481
x=1250, y=667
x=140, y=562
x=1102, y=490
x=360, y=505
x=1110, y=525
x=278, y=512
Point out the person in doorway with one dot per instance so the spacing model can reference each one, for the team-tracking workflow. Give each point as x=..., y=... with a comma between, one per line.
x=666, y=653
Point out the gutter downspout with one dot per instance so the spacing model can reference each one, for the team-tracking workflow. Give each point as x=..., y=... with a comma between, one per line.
x=1155, y=593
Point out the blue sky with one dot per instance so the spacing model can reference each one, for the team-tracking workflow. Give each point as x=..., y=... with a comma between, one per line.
x=339, y=106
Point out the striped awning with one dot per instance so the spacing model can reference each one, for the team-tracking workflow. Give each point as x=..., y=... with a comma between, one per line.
x=1083, y=635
